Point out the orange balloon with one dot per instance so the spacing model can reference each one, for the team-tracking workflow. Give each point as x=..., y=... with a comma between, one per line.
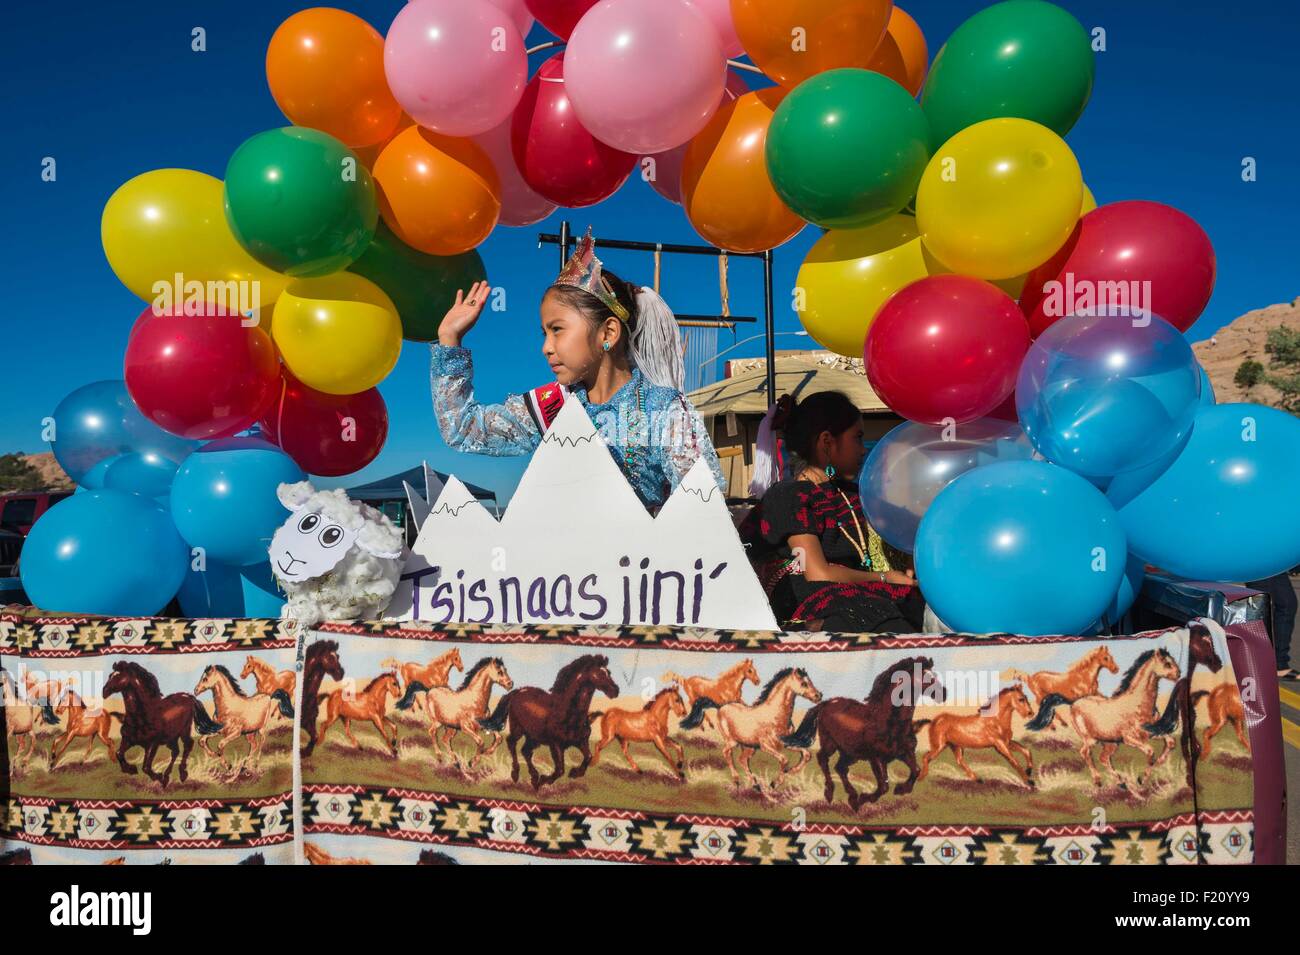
x=325, y=68
x=888, y=61
x=368, y=154
x=439, y=194
x=726, y=191
x=910, y=41
x=791, y=40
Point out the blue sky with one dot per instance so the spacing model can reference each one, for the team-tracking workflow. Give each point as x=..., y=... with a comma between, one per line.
x=110, y=90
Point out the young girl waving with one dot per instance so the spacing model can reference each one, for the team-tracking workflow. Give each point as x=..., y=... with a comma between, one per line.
x=613, y=347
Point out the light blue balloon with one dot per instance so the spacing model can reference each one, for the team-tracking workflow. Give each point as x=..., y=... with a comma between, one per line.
x=93, y=479
x=148, y=474
x=1108, y=393
x=911, y=464
x=1226, y=507
x=220, y=590
x=104, y=552
x=1207, y=388
x=223, y=498
x=100, y=420
x=1020, y=547
x=1130, y=586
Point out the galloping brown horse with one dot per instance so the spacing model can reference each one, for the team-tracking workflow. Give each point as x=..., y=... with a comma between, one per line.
x=154, y=720
x=722, y=690
x=1079, y=680
x=978, y=731
x=420, y=677
x=879, y=730
x=322, y=660
x=1225, y=707
x=646, y=725
x=558, y=718
x=368, y=706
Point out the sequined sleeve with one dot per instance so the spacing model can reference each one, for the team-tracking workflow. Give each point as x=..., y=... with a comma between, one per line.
x=501, y=429
x=688, y=440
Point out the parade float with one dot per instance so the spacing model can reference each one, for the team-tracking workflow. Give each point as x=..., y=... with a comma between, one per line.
x=1061, y=443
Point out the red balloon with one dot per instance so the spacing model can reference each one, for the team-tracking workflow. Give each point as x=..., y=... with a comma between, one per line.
x=326, y=434
x=206, y=375
x=559, y=16
x=1131, y=242
x=946, y=347
x=557, y=157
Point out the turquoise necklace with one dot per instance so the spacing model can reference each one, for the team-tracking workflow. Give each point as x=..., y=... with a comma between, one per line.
x=633, y=451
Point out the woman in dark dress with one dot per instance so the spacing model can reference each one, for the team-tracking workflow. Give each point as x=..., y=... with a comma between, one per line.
x=835, y=572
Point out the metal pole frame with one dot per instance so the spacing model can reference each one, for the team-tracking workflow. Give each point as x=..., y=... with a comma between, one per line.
x=565, y=237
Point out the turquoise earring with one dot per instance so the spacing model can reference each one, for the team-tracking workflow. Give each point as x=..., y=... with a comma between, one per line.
x=605, y=346
x=830, y=470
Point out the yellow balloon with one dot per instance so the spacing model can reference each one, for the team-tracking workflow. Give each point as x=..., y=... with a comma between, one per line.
x=338, y=333
x=849, y=273
x=1089, y=201
x=171, y=222
x=999, y=198
x=1012, y=286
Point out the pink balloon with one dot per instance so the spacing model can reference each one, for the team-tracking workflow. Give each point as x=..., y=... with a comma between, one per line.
x=644, y=75
x=718, y=13
x=520, y=203
x=457, y=67
x=518, y=11
x=667, y=169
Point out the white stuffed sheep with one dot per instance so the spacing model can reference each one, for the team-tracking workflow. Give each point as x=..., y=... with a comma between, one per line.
x=335, y=558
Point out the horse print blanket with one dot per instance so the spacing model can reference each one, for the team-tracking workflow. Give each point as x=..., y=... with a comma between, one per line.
x=171, y=741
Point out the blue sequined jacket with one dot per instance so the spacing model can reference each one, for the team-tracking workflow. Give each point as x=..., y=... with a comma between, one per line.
x=654, y=433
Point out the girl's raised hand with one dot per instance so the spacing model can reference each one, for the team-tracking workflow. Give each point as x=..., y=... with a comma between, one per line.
x=462, y=315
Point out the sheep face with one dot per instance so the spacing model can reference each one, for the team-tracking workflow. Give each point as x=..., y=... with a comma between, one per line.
x=309, y=545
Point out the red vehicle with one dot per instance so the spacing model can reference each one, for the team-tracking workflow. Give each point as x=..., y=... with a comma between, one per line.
x=18, y=512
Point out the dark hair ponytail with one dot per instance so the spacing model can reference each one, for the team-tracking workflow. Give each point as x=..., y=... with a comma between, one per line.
x=831, y=411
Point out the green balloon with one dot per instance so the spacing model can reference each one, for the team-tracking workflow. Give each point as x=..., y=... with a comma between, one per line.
x=846, y=148
x=422, y=286
x=1022, y=58
x=300, y=201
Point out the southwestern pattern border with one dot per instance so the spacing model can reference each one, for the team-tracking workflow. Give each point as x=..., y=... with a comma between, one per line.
x=148, y=824
x=633, y=836
x=38, y=633
x=28, y=631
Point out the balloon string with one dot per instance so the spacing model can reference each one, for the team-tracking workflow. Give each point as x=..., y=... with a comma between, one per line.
x=279, y=414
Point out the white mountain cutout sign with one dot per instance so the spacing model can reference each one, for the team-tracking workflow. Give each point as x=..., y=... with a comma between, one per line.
x=577, y=546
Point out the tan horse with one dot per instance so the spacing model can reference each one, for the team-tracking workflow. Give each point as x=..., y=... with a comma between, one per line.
x=368, y=706
x=977, y=731
x=762, y=725
x=1225, y=707
x=21, y=719
x=646, y=725
x=268, y=678
x=318, y=856
x=418, y=677
x=240, y=714
x=1078, y=681
x=42, y=691
x=1120, y=718
x=83, y=722
x=724, y=689
x=452, y=711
